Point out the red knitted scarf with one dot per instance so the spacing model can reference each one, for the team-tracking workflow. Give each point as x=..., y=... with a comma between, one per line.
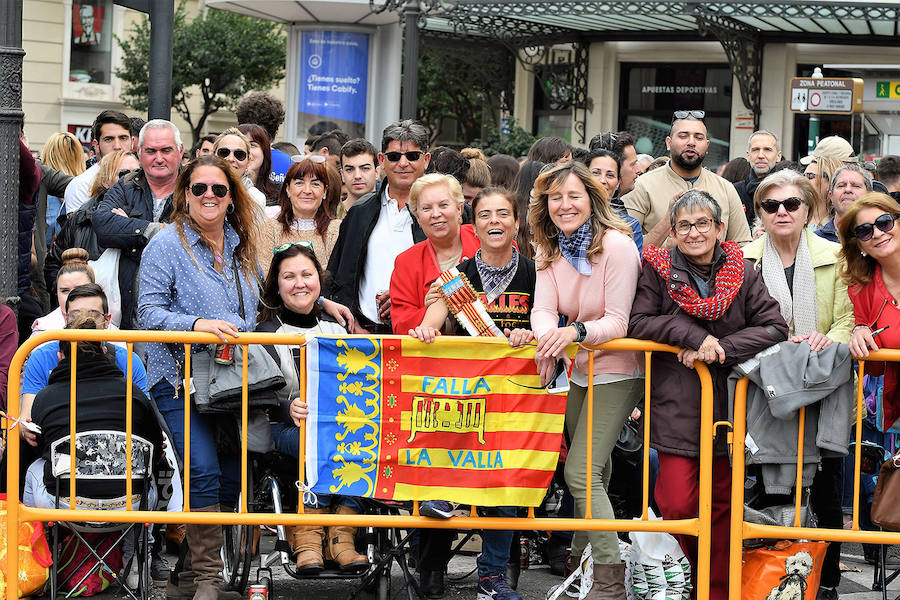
x=728, y=282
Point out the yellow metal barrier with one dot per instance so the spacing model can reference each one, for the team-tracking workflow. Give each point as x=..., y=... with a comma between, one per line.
x=741, y=530
x=698, y=526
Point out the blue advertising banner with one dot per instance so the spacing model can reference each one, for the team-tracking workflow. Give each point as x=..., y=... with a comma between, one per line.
x=334, y=74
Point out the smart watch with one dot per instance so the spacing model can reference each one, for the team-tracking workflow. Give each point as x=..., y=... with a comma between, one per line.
x=580, y=329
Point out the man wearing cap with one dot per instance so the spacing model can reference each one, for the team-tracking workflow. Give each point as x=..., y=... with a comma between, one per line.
x=763, y=151
x=654, y=192
x=849, y=184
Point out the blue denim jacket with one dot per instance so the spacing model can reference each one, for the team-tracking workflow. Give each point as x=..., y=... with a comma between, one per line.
x=175, y=290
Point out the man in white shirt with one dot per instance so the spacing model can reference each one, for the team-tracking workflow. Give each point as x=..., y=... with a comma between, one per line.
x=111, y=132
x=377, y=228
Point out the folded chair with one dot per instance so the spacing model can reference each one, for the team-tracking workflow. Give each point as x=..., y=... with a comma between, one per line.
x=100, y=475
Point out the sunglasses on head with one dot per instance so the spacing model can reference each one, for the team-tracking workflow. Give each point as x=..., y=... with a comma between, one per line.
x=411, y=156
x=286, y=245
x=690, y=114
x=770, y=205
x=219, y=190
x=316, y=158
x=239, y=154
x=865, y=231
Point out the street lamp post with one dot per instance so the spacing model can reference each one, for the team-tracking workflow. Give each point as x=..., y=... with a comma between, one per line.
x=11, y=116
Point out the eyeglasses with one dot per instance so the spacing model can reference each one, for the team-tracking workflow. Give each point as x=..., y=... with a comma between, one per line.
x=239, y=155
x=865, y=231
x=411, y=155
x=811, y=175
x=316, y=158
x=286, y=245
x=692, y=114
x=124, y=172
x=770, y=205
x=702, y=226
x=219, y=190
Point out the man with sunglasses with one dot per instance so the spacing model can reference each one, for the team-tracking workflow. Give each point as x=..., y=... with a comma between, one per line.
x=848, y=185
x=377, y=228
x=139, y=205
x=656, y=191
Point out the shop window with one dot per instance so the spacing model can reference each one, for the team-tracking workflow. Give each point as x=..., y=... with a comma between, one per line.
x=91, y=42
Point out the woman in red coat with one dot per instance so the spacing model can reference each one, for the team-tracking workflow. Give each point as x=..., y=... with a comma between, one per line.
x=435, y=201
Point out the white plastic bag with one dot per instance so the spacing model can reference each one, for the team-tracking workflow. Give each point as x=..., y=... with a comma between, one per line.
x=106, y=274
x=581, y=579
x=657, y=566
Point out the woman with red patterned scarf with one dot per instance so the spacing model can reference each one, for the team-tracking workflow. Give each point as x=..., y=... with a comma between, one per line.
x=704, y=297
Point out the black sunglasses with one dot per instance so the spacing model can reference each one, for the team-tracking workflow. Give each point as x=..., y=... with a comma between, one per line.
x=219, y=190
x=771, y=205
x=692, y=114
x=411, y=155
x=865, y=231
x=124, y=172
x=239, y=154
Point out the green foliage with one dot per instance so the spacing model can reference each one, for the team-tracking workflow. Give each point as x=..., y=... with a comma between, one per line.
x=516, y=142
x=222, y=55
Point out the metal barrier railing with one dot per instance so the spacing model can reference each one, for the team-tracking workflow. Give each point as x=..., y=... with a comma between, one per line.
x=698, y=526
x=742, y=530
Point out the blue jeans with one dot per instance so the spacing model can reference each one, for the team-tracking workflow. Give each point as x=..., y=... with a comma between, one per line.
x=287, y=442
x=214, y=479
x=495, y=543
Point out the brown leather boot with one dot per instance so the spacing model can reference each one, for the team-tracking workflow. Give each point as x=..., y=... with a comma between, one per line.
x=340, y=546
x=306, y=541
x=205, y=545
x=609, y=582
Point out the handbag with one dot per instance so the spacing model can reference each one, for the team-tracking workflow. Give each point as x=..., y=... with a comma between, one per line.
x=885, y=506
x=786, y=569
x=34, y=555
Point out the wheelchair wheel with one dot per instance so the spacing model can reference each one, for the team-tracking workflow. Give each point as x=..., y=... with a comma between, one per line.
x=237, y=549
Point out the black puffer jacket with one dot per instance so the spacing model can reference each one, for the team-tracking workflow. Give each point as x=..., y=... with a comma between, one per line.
x=76, y=232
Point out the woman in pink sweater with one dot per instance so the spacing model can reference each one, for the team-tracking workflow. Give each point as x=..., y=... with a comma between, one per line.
x=587, y=270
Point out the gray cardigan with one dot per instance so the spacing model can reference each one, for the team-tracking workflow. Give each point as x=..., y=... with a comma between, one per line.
x=784, y=378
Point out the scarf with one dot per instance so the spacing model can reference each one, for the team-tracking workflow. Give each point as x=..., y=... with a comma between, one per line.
x=800, y=309
x=495, y=280
x=575, y=247
x=303, y=224
x=728, y=282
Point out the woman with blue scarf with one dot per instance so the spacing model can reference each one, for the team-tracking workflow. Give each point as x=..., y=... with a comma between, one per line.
x=587, y=272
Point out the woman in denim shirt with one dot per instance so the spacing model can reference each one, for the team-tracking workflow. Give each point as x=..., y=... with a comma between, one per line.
x=188, y=282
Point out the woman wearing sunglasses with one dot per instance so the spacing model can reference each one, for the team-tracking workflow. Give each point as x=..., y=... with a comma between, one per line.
x=200, y=274
x=309, y=187
x=802, y=272
x=291, y=304
x=233, y=147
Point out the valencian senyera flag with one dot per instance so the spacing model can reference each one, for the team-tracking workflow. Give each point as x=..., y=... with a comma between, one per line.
x=462, y=419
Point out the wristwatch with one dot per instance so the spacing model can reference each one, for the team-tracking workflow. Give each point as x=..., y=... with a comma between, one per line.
x=580, y=329
x=320, y=301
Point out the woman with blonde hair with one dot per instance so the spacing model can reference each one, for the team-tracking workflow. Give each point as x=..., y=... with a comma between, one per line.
x=587, y=272
x=819, y=173
x=62, y=159
x=234, y=148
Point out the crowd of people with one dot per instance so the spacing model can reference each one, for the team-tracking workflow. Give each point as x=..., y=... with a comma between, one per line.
x=563, y=246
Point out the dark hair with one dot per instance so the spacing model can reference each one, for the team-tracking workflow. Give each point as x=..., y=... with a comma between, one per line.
x=263, y=183
x=111, y=116
x=579, y=154
x=137, y=124
x=787, y=164
x=448, y=161
x=496, y=191
x=549, y=150
x=522, y=187
x=406, y=130
x=888, y=170
x=736, y=169
x=325, y=173
x=614, y=141
x=286, y=147
x=601, y=152
x=199, y=143
x=93, y=348
x=504, y=169
x=320, y=127
x=88, y=290
x=358, y=146
x=333, y=140
x=75, y=260
x=270, y=299
x=263, y=109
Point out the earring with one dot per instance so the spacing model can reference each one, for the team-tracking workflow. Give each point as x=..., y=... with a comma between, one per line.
x=230, y=209
x=863, y=254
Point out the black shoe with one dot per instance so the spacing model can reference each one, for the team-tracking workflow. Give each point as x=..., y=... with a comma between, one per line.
x=513, y=570
x=827, y=594
x=432, y=584
x=159, y=568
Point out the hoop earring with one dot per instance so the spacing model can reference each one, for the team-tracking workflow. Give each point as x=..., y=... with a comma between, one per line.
x=230, y=209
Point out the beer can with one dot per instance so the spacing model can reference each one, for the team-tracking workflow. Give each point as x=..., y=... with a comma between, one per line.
x=224, y=354
x=524, y=553
x=257, y=592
